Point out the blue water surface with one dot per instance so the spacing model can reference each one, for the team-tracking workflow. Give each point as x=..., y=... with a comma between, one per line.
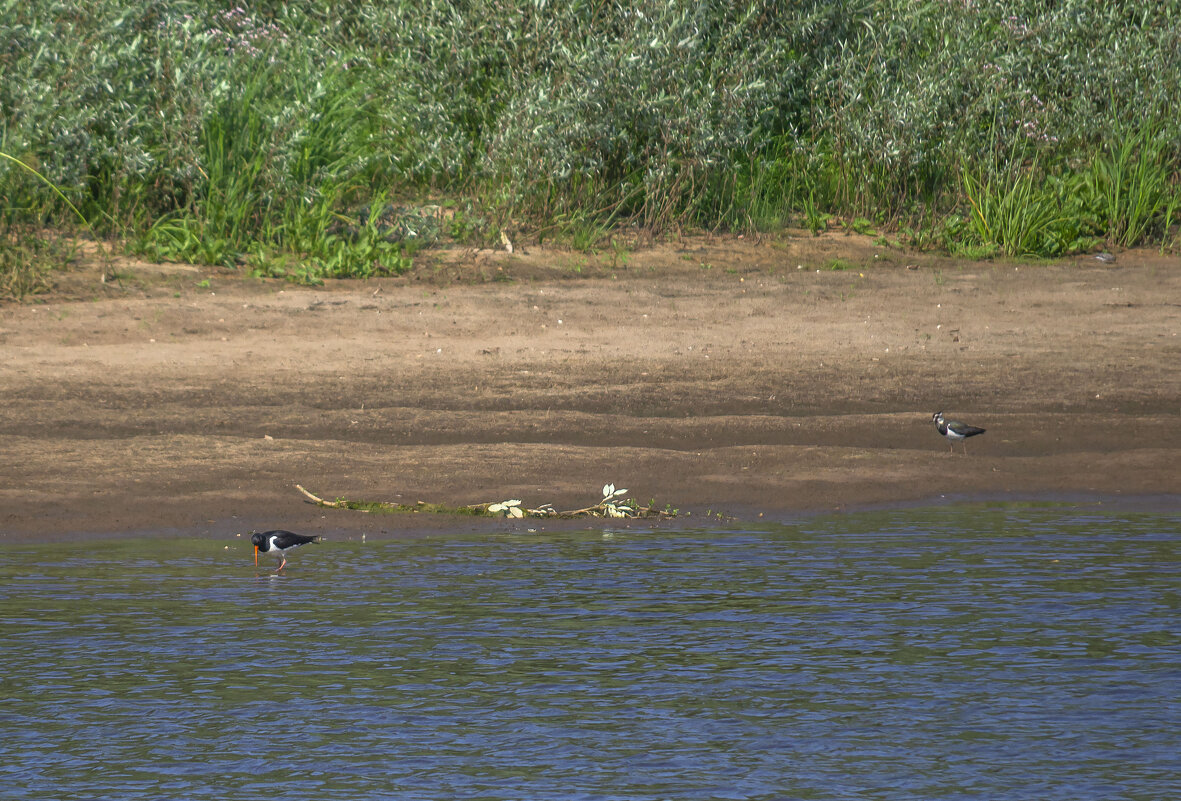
x=984, y=651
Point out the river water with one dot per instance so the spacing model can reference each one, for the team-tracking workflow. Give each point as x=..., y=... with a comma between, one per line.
x=991, y=651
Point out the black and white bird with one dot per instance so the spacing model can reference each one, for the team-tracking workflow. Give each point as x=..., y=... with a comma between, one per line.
x=278, y=543
x=954, y=430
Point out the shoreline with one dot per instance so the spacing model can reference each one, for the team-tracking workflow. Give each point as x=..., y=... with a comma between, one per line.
x=374, y=528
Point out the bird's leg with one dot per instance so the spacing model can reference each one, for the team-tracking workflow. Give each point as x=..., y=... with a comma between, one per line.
x=283, y=564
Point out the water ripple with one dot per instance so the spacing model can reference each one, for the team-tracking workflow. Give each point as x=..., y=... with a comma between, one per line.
x=979, y=652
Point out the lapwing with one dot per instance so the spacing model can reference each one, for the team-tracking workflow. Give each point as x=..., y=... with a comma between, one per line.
x=278, y=543
x=954, y=430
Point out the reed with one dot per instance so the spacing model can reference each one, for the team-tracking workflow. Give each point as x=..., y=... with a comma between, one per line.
x=1130, y=188
x=210, y=134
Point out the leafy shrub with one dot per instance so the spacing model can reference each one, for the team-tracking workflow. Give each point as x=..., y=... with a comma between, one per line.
x=215, y=134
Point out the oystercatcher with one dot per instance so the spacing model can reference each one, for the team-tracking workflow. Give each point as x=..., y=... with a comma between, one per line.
x=954, y=430
x=279, y=543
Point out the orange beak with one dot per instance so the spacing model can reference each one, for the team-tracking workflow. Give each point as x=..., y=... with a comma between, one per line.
x=256, y=556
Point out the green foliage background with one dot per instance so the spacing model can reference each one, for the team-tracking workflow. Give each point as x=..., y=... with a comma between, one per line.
x=222, y=134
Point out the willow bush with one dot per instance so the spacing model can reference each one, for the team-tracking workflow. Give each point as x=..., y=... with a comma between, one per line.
x=214, y=133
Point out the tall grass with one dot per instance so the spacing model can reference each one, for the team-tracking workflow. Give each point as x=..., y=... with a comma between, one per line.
x=1124, y=197
x=1008, y=211
x=27, y=253
x=276, y=185
x=227, y=135
x=1130, y=186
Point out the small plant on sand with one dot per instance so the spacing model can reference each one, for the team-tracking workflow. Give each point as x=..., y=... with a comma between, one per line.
x=839, y=265
x=613, y=508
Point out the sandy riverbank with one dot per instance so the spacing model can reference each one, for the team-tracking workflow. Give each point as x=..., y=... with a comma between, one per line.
x=709, y=375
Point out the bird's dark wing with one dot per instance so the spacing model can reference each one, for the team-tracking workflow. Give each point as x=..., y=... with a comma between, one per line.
x=965, y=430
x=289, y=539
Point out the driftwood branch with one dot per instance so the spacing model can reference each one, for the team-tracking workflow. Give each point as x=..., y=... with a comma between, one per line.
x=316, y=499
x=607, y=508
x=386, y=506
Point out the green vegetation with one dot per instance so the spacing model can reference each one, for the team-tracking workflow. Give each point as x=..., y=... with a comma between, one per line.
x=307, y=141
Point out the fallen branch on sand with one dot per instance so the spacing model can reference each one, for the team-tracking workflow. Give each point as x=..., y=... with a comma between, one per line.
x=611, y=505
